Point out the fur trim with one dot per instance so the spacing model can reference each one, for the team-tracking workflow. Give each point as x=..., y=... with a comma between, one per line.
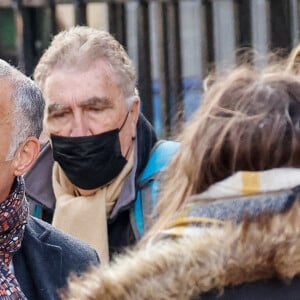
x=186, y=267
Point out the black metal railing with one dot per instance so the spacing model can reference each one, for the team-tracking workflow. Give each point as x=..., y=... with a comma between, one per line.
x=173, y=43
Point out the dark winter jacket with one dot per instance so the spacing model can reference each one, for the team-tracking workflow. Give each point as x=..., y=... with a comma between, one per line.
x=39, y=188
x=46, y=258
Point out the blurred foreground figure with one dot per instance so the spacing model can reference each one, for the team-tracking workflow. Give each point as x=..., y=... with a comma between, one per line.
x=35, y=258
x=229, y=225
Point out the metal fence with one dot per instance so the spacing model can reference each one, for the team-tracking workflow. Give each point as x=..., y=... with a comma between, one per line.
x=173, y=43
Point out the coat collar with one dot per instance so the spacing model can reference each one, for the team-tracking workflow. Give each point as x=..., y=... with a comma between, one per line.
x=40, y=187
x=38, y=265
x=145, y=141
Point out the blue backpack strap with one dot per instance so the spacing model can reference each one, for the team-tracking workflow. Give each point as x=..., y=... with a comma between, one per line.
x=148, y=184
x=35, y=209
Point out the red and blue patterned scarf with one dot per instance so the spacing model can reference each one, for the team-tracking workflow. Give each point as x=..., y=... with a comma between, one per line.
x=13, y=216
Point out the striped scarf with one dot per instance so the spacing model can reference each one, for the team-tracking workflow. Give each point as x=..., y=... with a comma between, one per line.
x=13, y=215
x=230, y=199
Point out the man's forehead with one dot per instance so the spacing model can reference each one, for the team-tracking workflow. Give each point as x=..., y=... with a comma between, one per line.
x=82, y=65
x=93, y=86
x=6, y=89
x=59, y=80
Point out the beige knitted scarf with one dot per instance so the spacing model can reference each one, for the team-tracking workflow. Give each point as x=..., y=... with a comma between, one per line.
x=85, y=217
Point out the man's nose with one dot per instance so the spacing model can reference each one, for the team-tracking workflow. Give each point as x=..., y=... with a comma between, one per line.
x=79, y=127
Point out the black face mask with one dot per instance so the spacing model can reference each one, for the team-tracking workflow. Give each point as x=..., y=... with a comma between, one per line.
x=90, y=161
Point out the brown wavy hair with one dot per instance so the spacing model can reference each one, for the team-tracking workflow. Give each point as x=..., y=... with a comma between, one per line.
x=248, y=120
x=293, y=61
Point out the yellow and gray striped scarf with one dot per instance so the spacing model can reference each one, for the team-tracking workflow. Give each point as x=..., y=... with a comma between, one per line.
x=244, y=194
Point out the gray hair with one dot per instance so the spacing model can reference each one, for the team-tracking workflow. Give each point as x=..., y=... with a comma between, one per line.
x=79, y=47
x=28, y=107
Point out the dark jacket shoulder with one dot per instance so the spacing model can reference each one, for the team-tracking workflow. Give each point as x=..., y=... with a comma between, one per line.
x=38, y=179
x=73, y=249
x=46, y=259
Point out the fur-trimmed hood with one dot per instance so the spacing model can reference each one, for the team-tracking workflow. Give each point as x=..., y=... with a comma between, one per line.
x=186, y=267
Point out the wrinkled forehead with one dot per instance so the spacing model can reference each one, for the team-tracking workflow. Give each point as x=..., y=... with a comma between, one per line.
x=80, y=68
x=100, y=73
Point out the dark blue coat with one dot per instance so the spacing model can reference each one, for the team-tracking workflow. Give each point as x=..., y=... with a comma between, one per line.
x=46, y=258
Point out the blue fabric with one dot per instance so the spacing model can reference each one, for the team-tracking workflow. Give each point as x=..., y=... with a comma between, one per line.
x=138, y=214
x=159, y=159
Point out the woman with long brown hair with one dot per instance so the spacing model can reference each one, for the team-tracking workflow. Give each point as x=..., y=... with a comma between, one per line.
x=229, y=212
x=247, y=122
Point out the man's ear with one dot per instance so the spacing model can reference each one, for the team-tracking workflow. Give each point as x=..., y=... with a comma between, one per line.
x=135, y=112
x=26, y=155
